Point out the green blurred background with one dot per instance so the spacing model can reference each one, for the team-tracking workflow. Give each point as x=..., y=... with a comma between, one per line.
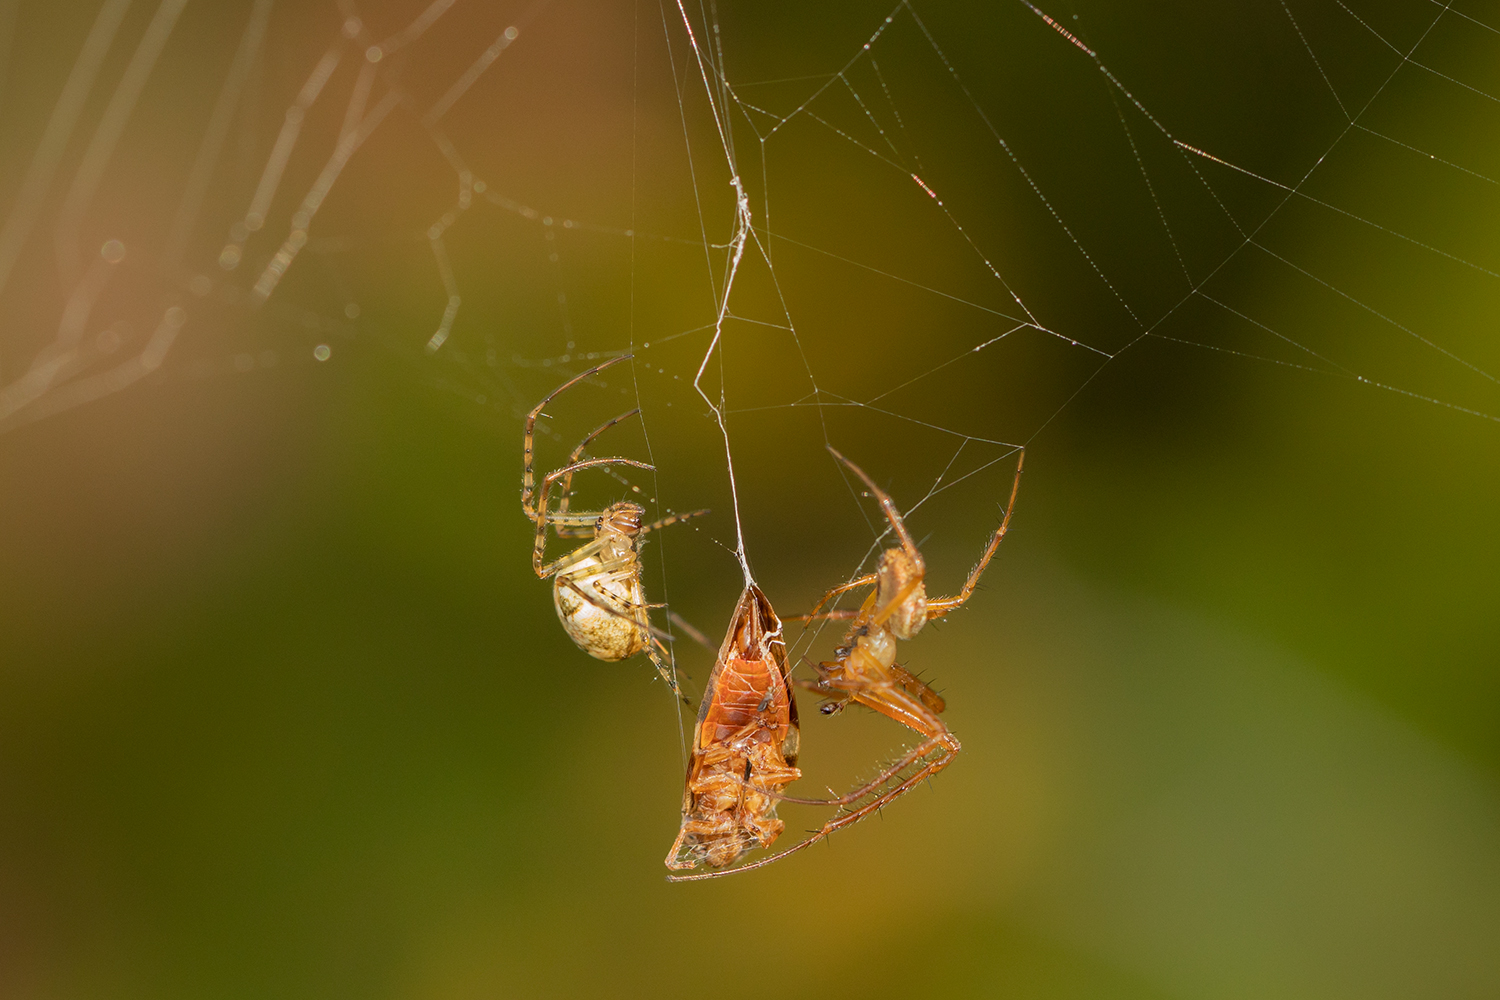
x=283, y=711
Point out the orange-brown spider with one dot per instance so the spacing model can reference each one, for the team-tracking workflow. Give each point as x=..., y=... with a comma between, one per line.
x=597, y=587
x=744, y=744
x=865, y=670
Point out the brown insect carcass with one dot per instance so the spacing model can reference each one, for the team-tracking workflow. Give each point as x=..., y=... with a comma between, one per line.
x=744, y=745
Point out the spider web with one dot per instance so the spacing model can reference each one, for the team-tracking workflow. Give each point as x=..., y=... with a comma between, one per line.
x=922, y=231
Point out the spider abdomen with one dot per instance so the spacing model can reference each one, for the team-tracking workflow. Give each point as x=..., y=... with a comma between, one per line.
x=609, y=625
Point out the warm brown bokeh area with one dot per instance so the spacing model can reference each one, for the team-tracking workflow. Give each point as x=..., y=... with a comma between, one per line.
x=284, y=711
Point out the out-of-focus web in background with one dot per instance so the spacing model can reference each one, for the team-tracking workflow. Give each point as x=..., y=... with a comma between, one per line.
x=855, y=103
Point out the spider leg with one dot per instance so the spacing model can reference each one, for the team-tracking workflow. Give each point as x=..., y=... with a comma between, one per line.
x=918, y=688
x=528, y=446
x=565, y=563
x=837, y=615
x=573, y=519
x=941, y=606
x=563, y=569
x=691, y=632
x=665, y=666
x=842, y=588
x=620, y=569
x=567, y=482
x=906, y=699
x=887, y=505
x=673, y=519
x=568, y=470
x=573, y=524
x=837, y=701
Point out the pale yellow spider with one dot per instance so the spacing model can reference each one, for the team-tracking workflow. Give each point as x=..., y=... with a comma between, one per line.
x=597, y=587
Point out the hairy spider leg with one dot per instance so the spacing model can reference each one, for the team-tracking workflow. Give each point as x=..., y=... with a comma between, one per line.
x=908, y=545
x=528, y=446
x=565, y=564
